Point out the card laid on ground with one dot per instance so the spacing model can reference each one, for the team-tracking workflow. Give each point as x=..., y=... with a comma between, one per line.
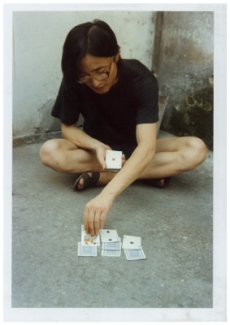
x=134, y=254
x=113, y=159
x=108, y=235
x=88, y=240
x=110, y=253
x=131, y=242
x=87, y=250
x=113, y=246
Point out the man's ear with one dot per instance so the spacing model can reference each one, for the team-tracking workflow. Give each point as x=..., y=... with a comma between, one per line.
x=116, y=57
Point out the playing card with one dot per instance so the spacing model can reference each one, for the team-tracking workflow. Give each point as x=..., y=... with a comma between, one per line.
x=113, y=159
x=131, y=242
x=108, y=235
x=88, y=240
x=135, y=254
x=110, y=253
x=87, y=250
x=113, y=246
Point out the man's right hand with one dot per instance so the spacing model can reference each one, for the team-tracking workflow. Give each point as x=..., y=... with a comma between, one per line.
x=82, y=140
x=101, y=154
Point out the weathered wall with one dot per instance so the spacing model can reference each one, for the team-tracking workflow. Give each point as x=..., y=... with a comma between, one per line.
x=37, y=49
x=183, y=61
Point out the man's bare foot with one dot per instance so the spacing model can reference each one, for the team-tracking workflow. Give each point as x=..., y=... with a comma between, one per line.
x=161, y=182
x=82, y=181
x=86, y=180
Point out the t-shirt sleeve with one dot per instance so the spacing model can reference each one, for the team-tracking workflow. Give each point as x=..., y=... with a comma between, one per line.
x=67, y=105
x=146, y=97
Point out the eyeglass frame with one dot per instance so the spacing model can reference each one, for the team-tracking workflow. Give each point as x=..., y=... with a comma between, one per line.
x=88, y=77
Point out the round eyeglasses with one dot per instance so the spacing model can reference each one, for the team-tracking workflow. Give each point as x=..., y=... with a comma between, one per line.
x=97, y=75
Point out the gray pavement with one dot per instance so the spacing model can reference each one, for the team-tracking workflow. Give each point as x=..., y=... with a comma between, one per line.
x=175, y=225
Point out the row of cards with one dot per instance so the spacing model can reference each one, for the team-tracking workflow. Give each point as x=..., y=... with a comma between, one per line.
x=111, y=245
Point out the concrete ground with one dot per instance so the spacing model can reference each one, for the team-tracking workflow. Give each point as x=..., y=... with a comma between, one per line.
x=175, y=225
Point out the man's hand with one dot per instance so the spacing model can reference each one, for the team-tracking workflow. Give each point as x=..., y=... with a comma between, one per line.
x=84, y=141
x=95, y=213
x=101, y=154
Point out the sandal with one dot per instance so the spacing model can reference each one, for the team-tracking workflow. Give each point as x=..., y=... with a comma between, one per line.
x=89, y=181
x=156, y=182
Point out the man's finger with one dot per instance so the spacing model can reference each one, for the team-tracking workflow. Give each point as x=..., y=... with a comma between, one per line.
x=91, y=222
x=123, y=160
x=97, y=223
x=101, y=160
x=86, y=225
x=88, y=221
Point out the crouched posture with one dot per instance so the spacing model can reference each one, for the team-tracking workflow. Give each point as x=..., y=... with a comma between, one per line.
x=119, y=102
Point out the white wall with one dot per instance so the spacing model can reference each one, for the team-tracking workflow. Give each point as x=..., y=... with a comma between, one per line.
x=38, y=38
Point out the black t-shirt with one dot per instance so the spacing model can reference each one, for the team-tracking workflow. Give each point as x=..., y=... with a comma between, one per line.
x=112, y=117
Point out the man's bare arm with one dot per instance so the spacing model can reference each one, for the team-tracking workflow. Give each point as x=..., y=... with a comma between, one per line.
x=135, y=165
x=84, y=141
x=79, y=137
x=97, y=209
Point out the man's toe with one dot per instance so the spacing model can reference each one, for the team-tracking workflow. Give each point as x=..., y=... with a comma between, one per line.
x=161, y=182
x=81, y=183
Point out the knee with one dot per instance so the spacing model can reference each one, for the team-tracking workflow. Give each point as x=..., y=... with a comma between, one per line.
x=50, y=153
x=199, y=150
x=45, y=152
x=194, y=153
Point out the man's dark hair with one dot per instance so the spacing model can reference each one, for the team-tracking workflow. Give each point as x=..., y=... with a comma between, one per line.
x=96, y=39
